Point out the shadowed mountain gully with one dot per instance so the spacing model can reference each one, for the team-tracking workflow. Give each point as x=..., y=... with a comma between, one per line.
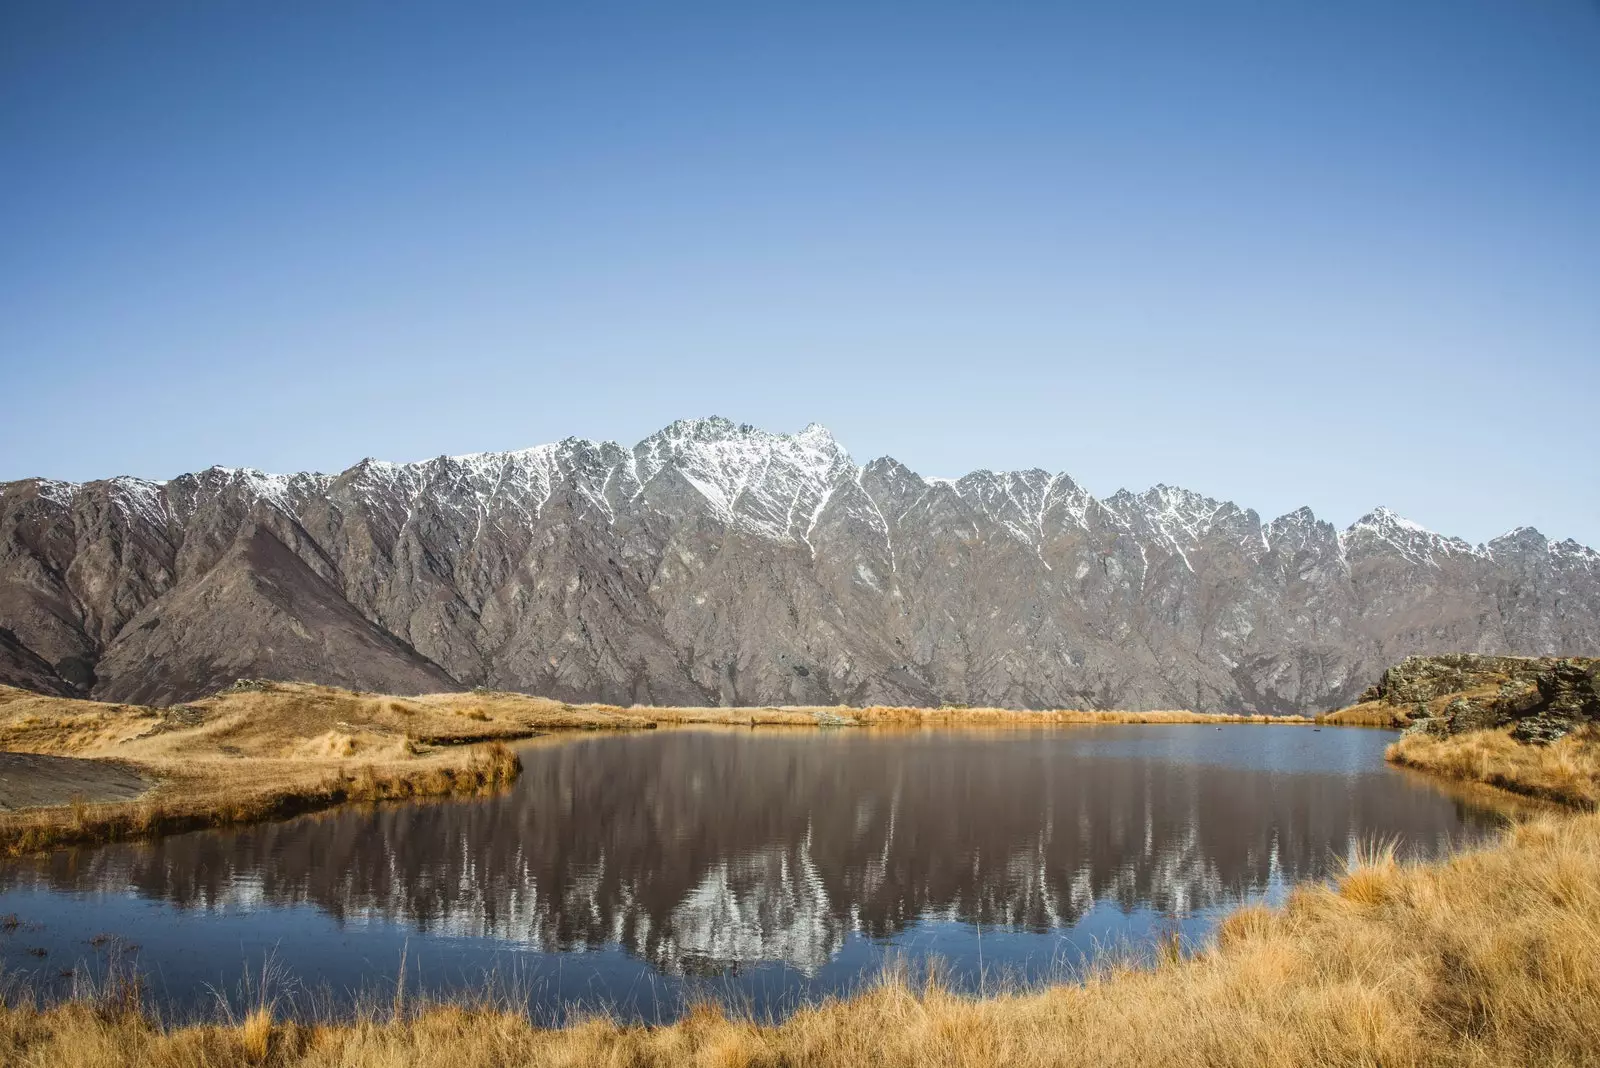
x=717, y=563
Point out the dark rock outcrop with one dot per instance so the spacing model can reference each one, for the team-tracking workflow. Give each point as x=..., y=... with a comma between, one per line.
x=1542, y=698
x=715, y=563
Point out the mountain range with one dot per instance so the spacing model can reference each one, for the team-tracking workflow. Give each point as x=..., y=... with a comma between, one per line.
x=716, y=563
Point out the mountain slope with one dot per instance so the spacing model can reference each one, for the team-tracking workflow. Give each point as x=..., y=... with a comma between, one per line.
x=20, y=666
x=259, y=612
x=719, y=563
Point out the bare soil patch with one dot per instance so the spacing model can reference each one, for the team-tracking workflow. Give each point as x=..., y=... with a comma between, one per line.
x=33, y=780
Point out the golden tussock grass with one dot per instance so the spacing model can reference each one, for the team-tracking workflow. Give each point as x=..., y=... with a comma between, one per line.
x=1566, y=771
x=997, y=717
x=945, y=716
x=251, y=792
x=36, y=723
x=739, y=716
x=1369, y=714
x=1486, y=958
x=271, y=719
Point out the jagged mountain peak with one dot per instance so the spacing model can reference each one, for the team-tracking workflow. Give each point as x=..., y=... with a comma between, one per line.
x=718, y=562
x=1302, y=516
x=1529, y=541
x=889, y=467
x=1301, y=531
x=1387, y=519
x=1575, y=550
x=1520, y=538
x=1386, y=527
x=717, y=428
x=1182, y=508
x=726, y=461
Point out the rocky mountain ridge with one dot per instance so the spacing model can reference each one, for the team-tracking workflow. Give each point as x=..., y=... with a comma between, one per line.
x=717, y=563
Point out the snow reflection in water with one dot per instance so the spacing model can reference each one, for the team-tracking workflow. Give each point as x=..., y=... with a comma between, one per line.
x=780, y=862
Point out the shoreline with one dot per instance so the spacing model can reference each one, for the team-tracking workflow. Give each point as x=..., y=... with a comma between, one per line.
x=1564, y=773
x=1475, y=958
x=262, y=751
x=179, y=803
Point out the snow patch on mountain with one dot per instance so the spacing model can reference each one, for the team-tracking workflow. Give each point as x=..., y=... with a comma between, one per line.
x=1384, y=528
x=782, y=487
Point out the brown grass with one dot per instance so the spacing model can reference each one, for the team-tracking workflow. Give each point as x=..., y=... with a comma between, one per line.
x=1484, y=959
x=946, y=716
x=251, y=792
x=277, y=719
x=1369, y=714
x=272, y=718
x=1566, y=771
x=879, y=715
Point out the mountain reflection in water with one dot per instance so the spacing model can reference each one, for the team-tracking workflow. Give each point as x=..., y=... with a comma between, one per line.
x=700, y=850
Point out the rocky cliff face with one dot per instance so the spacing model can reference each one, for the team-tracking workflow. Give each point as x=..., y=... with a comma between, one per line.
x=1541, y=698
x=716, y=563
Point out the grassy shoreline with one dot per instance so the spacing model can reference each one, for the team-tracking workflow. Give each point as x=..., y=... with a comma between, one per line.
x=1566, y=772
x=196, y=802
x=268, y=750
x=1368, y=714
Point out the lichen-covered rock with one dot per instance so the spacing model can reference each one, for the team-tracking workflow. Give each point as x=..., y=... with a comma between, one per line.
x=1542, y=698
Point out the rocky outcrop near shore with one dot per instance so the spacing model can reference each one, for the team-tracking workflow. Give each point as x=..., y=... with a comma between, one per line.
x=714, y=563
x=1540, y=698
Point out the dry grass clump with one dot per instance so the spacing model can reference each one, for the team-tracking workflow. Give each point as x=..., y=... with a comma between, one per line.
x=1566, y=771
x=742, y=716
x=1367, y=714
x=274, y=719
x=998, y=717
x=1485, y=959
x=516, y=715
x=333, y=743
x=212, y=797
x=38, y=723
x=944, y=716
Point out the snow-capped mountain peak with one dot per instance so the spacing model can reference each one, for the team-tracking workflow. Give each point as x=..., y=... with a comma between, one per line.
x=715, y=561
x=1383, y=526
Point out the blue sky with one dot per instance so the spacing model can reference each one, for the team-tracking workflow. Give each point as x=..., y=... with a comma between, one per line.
x=1287, y=253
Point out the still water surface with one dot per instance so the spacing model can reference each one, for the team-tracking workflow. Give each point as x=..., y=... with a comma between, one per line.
x=766, y=866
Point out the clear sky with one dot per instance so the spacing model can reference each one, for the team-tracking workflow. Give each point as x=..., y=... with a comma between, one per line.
x=1337, y=254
